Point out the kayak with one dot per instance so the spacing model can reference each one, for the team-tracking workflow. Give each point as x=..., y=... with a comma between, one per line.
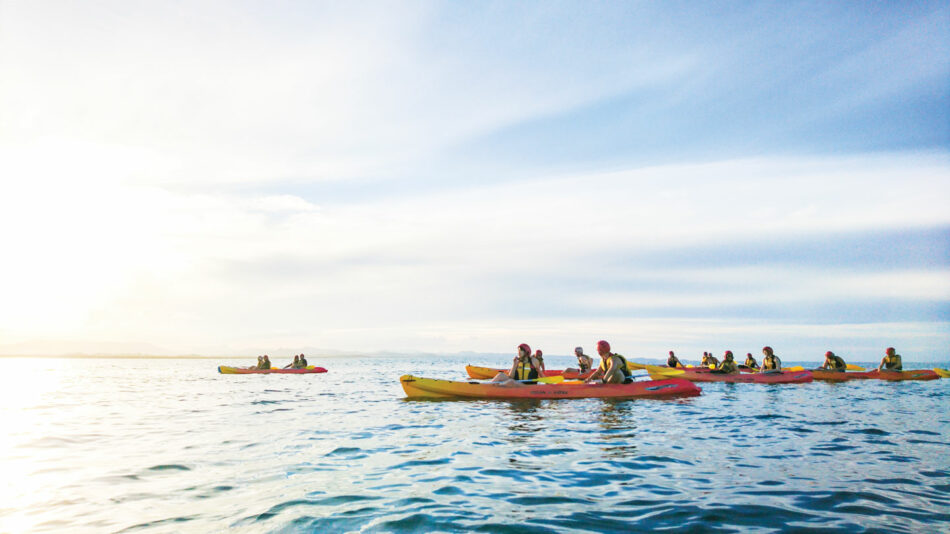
x=225, y=370
x=416, y=387
x=841, y=376
x=942, y=373
x=487, y=373
x=913, y=374
x=784, y=377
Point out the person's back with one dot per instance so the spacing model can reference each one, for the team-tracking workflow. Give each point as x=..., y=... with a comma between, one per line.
x=584, y=362
x=834, y=362
x=265, y=363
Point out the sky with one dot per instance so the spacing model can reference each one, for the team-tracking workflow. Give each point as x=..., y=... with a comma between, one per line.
x=249, y=177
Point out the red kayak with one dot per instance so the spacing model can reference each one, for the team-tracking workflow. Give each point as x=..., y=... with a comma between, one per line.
x=487, y=373
x=913, y=374
x=841, y=376
x=225, y=370
x=784, y=377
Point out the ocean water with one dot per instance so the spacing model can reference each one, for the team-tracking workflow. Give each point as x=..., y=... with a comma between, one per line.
x=172, y=446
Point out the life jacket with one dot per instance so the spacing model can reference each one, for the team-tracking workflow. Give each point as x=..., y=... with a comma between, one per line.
x=728, y=367
x=750, y=362
x=525, y=370
x=893, y=362
x=265, y=364
x=837, y=363
x=604, y=364
x=672, y=361
x=771, y=362
x=303, y=363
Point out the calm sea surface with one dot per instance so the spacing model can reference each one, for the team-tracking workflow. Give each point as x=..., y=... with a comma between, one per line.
x=173, y=446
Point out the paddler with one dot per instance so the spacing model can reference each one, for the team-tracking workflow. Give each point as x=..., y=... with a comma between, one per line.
x=891, y=360
x=524, y=367
x=770, y=363
x=728, y=365
x=750, y=361
x=834, y=362
x=709, y=360
x=303, y=361
x=295, y=365
x=265, y=363
x=538, y=356
x=613, y=367
x=584, y=362
x=673, y=361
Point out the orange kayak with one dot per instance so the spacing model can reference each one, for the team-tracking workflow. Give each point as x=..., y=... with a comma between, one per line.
x=416, y=387
x=840, y=376
x=913, y=374
x=783, y=377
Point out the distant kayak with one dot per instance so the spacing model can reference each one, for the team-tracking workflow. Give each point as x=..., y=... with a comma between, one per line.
x=225, y=370
x=487, y=373
x=416, y=387
x=784, y=377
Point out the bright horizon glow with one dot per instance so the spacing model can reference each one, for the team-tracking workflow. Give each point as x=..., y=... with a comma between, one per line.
x=434, y=177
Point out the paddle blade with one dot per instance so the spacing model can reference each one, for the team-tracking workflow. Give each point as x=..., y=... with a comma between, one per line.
x=557, y=379
x=852, y=367
x=663, y=370
x=793, y=369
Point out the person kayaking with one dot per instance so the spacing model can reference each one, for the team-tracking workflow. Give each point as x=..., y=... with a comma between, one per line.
x=584, y=362
x=728, y=365
x=265, y=363
x=303, y=361
x=709, y=360
x=524, y=367
x=673, y=361
x=295, y=364
x=834, y=362
x=891, y=360
x=260, y=362
x=613, y=367
x=770, y=363
x=750, y=361
x=538, y=356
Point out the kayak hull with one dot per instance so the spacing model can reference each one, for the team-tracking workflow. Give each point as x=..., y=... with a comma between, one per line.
x=913, y=374
x=487, y=373
x=422, y=388
x=840, y=376
x=784, y=377
x=225, y=370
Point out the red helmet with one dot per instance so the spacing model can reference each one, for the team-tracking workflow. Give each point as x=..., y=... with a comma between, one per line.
x=768, y=349
x=538, y=353
x=525, y=347
x=829, y=353
x=603, y=346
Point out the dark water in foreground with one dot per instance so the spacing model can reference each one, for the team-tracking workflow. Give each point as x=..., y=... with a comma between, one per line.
x=171, y=446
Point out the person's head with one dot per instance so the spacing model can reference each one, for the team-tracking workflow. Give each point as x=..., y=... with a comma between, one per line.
x=301, y=356
x=296, y=359
x=671, y=354
x=727, y=356
x=538, y=353
x=829, y=354
x=767, y=351
x=579, y=351
x=266, y=359
x=260, y=358
x=603, y=348
x=890, y=351
x=748, y=355
x=524, y=350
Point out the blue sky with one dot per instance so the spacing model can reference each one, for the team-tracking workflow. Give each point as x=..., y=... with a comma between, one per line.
x=223, y=178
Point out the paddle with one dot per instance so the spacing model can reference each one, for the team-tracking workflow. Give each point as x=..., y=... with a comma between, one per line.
x=557, y=379
x=793, y=369
x=852, y=367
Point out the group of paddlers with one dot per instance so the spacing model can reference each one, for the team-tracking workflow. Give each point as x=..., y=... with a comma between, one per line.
x=263, y=362
x=613, y=367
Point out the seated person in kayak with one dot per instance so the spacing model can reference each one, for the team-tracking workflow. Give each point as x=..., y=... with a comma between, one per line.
x=613, y=367
x=834, y=362
x=260, y=362
x=524, y=367
x=728, y=365
x=537, y=356
x=584, y=362
x=295, y=365
x=750, y=361
x=303, y=362
x=709, y=360
x=265, y=363
x=892, y=361
x=770, y=363
x=673, y=361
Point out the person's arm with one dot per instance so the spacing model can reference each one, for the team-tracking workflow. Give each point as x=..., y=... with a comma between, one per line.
x=514, y=368
x=611, y=366
x=539, y=365
x=881, y=366
x=597, y=374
